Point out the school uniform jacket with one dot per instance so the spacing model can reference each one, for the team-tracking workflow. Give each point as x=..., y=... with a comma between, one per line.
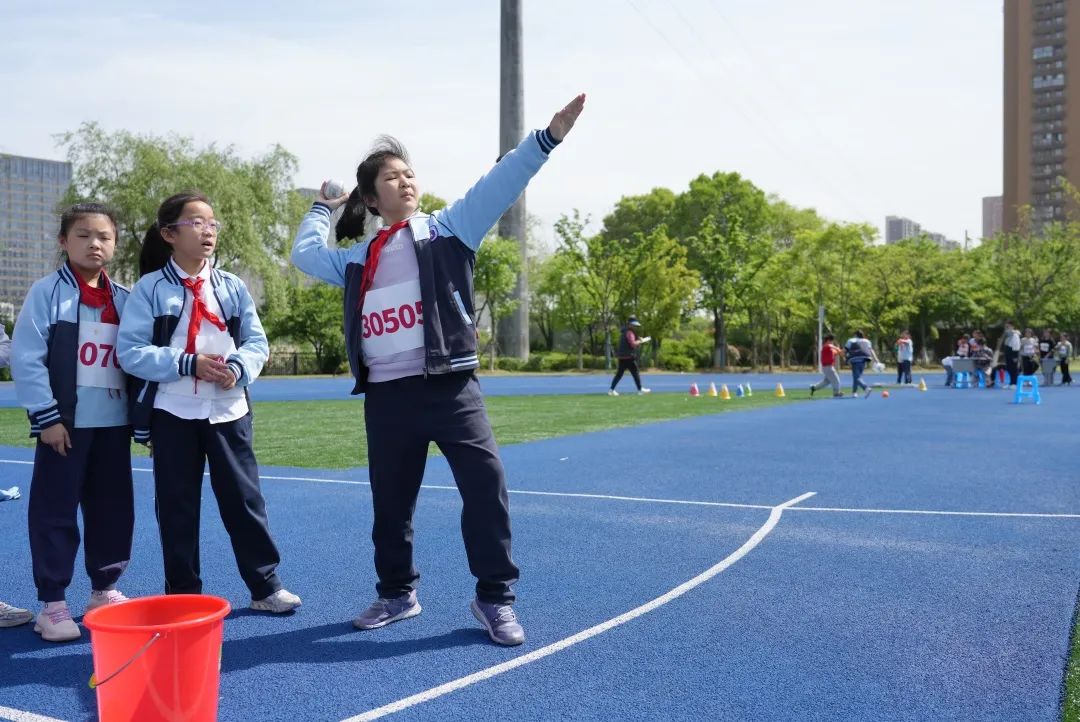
x=446, y=243
x=44, y=359
x=146, y=329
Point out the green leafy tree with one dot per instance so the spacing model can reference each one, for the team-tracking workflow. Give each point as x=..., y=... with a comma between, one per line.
x=494, y=278
x=723, y=220
x=133, y=173
x=313, y=315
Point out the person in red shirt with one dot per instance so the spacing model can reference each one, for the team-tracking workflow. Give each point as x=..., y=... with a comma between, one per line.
x=830, y=357
x=627, y=353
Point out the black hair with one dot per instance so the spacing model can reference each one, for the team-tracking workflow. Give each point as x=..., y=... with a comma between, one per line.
x=79, y=210
x=156, y=251
x=351, y=223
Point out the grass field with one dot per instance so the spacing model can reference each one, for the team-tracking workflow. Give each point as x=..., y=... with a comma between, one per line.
x=330, y=434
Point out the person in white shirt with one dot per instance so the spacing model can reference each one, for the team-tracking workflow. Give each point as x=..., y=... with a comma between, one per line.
x=194, y=341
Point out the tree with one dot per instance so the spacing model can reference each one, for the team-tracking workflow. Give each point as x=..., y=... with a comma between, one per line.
x=722, y=220
x=494, y=279
x=134, y=173
x=314, y=315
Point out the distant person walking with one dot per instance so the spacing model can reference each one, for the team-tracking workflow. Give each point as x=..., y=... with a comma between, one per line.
x=627, y=355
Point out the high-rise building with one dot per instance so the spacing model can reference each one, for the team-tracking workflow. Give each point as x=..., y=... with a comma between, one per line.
x=1042, y=107
x=991, y=216
x=30, y=189
x=898, y=228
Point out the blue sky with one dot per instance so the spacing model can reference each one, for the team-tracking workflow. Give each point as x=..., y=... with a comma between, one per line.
x=858, y=108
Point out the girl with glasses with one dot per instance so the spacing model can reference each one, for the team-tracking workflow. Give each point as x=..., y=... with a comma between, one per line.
x=194, y=342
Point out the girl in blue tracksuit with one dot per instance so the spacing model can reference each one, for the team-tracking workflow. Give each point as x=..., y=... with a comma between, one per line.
x=193, y=342
x=68, y=379
x=412, y=347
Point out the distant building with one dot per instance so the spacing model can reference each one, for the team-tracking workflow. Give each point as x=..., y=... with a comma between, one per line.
x=30, y=189
x=1041, y=107
x=898, y=228
x=991, y=216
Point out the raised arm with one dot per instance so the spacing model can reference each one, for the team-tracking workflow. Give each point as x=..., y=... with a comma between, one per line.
x=471, y=217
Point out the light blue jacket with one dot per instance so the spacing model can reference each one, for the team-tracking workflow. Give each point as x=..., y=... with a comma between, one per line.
x=44, y=357
x=153, y=313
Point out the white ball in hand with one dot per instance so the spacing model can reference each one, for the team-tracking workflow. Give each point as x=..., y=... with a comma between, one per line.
x=333, y=189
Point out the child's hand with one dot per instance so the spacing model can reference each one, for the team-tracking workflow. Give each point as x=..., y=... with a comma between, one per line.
x=564, y=120
x=212, y=368
x=333, y=203
x=228, y=383
x=57, y=437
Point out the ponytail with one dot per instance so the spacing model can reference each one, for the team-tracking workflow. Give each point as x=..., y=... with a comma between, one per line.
x=355, y=215
x=155, y=251
x=352, y=220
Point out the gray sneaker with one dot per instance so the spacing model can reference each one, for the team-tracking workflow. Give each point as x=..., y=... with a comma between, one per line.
x=500, y=621
x=384, y=611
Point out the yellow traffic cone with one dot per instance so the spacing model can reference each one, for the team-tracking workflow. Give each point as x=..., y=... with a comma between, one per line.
x=724, y=393
x=712, y=389
x=779, y=391
x=922, y=384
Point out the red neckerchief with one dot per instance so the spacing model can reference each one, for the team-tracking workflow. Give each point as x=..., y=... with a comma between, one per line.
x=374, y=251
x=100, y=297
x=199, y=312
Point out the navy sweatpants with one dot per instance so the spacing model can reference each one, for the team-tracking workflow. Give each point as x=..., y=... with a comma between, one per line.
x=181, y=448
x=403, y=417
x=96, y=475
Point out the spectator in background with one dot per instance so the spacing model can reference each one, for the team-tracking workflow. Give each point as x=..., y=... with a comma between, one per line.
x=1064, y=352
x=905, y=354
x=1011, y=343
x=1046, y=356
x=1029, y=353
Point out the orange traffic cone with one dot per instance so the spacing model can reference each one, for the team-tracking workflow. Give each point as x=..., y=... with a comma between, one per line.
x=712, y=389
x=694, y=390
x=724, y=393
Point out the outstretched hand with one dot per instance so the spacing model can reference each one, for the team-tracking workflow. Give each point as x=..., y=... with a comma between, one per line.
x=564, y=120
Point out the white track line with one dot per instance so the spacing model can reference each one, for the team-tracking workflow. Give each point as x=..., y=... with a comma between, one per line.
x=654, y=500
x=484, y=674
x=17, y=715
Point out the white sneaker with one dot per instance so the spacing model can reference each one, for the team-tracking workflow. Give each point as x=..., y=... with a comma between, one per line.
x=642, y=391
x=100, y=599
x=612, y=392
x=279, y=602
x=13, y=616
x=55, y=624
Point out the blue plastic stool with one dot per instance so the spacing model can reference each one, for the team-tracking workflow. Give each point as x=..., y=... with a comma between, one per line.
x=962, y=380
x=1032, y=392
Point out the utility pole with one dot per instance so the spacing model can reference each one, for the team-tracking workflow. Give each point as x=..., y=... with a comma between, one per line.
x=513, y=331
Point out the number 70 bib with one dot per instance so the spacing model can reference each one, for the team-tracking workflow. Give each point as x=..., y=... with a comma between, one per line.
x=97, y=362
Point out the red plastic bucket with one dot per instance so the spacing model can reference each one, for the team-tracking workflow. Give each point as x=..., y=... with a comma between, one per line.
x=158, y=659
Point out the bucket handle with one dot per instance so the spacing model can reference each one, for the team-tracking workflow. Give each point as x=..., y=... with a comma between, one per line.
x=94, y=683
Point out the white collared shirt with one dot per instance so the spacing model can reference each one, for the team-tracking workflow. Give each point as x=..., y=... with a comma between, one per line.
x=191, y=398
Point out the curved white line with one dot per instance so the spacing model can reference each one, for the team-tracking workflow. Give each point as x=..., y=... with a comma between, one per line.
x=443, y=689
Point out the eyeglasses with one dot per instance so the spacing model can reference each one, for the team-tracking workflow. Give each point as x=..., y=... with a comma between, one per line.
x=199, y=225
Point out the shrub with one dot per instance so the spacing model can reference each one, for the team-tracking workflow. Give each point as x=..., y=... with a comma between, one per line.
x=677, y=362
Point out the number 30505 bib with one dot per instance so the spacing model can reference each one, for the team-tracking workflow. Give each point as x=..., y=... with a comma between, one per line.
x=98, y=365
x=393, y=319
